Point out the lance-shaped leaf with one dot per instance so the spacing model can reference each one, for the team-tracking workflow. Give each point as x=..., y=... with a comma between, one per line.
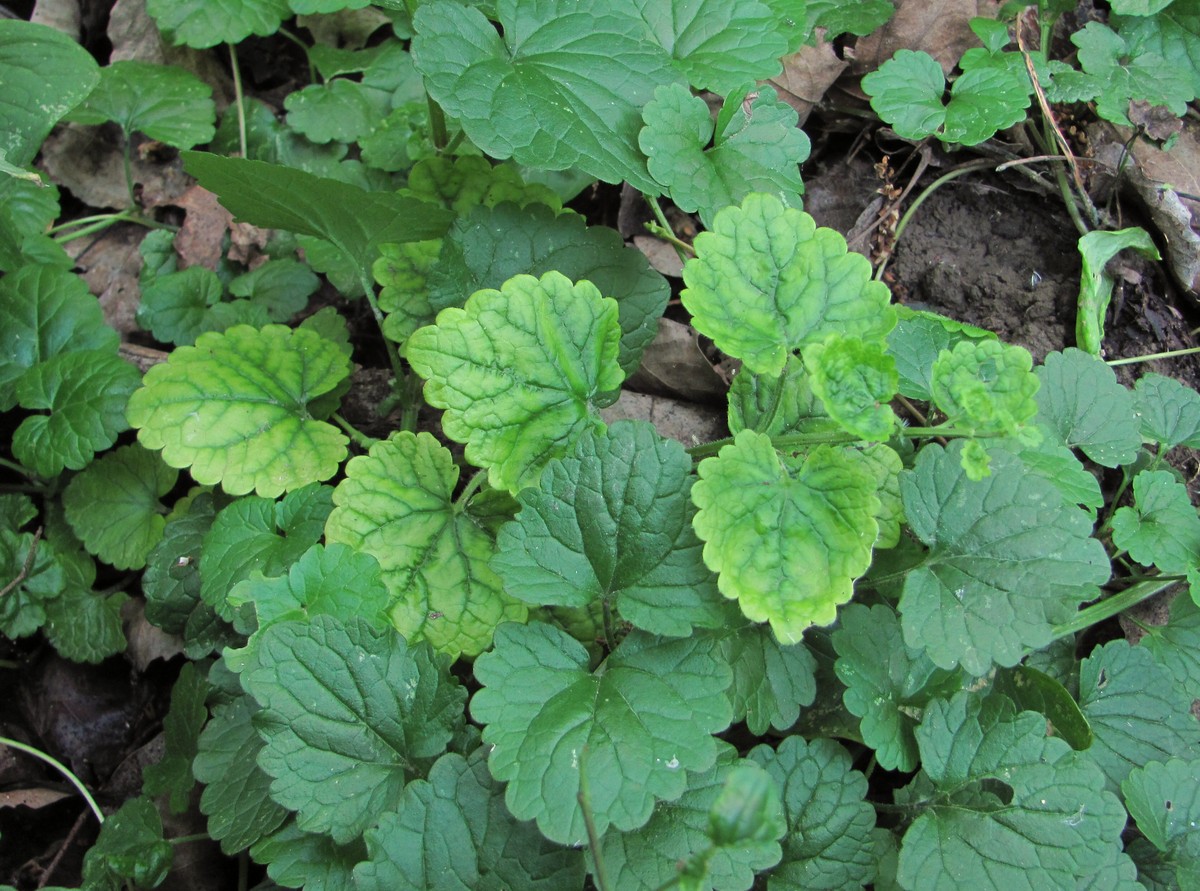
x=198, y=24
x=624, y=737
x=165, y=103
x=613, y=522
x=1161, y=528
x=397, y=504
x=767, y=280
x=649, y=857
x=45, y=312
x=86, y=394
x=759, y=150
x=1085, y=407
x=1169, y=412
x=855, y=380
x=828, y=844
x=45, y=74
x=1005, y=563
x=563, y=87
x=347, y=713
x=1012, y=803
x=887, y=682
x=114, y=506
x=787, y=538
x=356, y=221
x=452, y=832
x=235, y=409
x=1138, y=712
x=518, y=371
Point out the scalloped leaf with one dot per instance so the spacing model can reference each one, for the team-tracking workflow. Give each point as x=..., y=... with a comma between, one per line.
x=234, y=409
x=1176, y=645
x=612, y=522
x=310, y=860
x=771, y=681
x=163, y=102
x=86, y=393
x=1164, y=799
x=917, y=340
x=777, y=404
x=45, y=74
x=829, y=842
x=758, y=151
x=174, y=306
x=45, y=312
x=855, y=380
x=114, y=505
x=563, y=87
x=282, y=286
x=986, y=386
x=628, y=735
x=767, y=280
x=1168, y=411
x=1161, y=528
x=397, y=504
x=787, y=538
x=338, y=110
x=519, y=371
x=1005, y=564
x=23, y=608
x=453, y=832
x=1085, y=407
x=345, y=711
x=200, y=24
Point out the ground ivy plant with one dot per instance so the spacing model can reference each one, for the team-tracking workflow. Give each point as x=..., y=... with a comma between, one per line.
x=530, y=649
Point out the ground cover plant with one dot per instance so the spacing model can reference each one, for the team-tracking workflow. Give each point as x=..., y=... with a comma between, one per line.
x=864, y=640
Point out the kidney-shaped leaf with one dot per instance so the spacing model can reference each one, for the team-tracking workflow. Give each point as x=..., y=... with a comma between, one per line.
x=518, y=371
x=234, y=409
x=164, y=102
x=201, y=24
x=787, y=541
x=767, y=280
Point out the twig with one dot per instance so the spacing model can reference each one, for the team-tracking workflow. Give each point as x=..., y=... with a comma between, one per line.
x=62, y=849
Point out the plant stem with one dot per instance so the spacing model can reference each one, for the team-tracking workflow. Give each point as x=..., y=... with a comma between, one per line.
x=187, y=839
x=312, y=69
x=1169, y=354
x=357, y=436
x=61, y=768
x=437, y=125
x=100, y=222
x=27, y=566
x=368, y=287
x=16, y=468
x=600, y=874
x=469, y=490
x=665, y=232
x=238, y=97
x=1112, y=606
x=783, y=443
x=127, y=158
x=9, y=664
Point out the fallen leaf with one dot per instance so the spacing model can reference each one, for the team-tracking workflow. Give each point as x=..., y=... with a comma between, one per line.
x=661, y=256
x=938, y=27
x=110, y=264
x=673, y=365
x=807, y=75
x=31, y=798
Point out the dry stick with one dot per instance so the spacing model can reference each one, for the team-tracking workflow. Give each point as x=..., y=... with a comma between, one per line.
x=24, y=573
x=62, y=849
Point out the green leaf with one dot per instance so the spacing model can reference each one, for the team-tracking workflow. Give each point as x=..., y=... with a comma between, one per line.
x=917, y=340
x=563, y=87
x=315, y=862
x=1009, y=803
x=86, y=393
x=489, y=246
x=777, y=404
x=461, y=184
x=758, y=152
x=1173, y=34
x=626, y=736
x=199, y=24
x=612, y=522
x=986, y=387
x=717, y=46
x=130, y=848
x=1083, y=406
x=45, y=74
x=452, y=832
x=234, y=409
x=1161, y=528
x=31, y=207
x=1164, y=799
x=1176, y=645
x=1123, y=72
x=767, y=280
x=243, y=539
x=887, y=681
x=163, y=102
x=771, y=681
x=1095, y=287
x=45, y=312
x=828, y=844
x=1137, y=711
x=235, y=799
x=347, y=711
x=855, y=380
x=175, y=306
x=172, y=774
x=1057, y=466
x=651, y=856
x=518, y=371
x=23, y=608
x=338, y=110
x=1169, y=411
x=397, y=504
x=788, y=538
x=1005, y=564
x=859, y=17
x=1036, y=691
x=114, y=506
x=281, y=286
x=325, y=581
x=84, y=626
x=356, y=221
x=906, y=91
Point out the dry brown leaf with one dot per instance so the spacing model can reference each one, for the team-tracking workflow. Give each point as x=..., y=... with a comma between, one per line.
x=203, y=232
x=807, y=75
x=61, y=15
x=673, y=365
x=146, y=642
x=110, y=265
x=31, y=798
x=661, y=256
x=684, y=422
x=938, y=27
